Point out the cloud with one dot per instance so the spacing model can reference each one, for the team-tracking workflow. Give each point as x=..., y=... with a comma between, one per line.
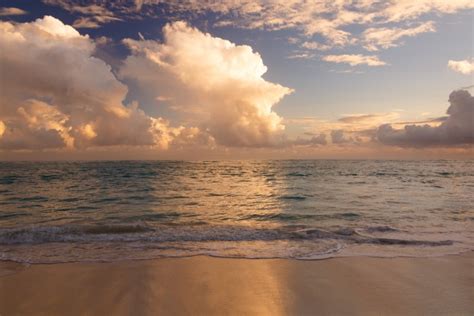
x=346, y=71
x=402, y=10
x=12, y=11
x=315, y=46
x=56, y=94
x=327, y=18
x=465, y=67
x=36, y=125
x=86, y=23
x=209, y=80
x=341, y=137
x=93, y=14
x=337, y=137
x=301, y=56
x=456, y=129
x=314, y=140
x=376, y=38
x=369, y=120
x=350, y=130
x=355, y=60
x=357, y=124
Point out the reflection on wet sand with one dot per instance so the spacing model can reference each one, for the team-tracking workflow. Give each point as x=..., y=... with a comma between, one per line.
x=214, y=286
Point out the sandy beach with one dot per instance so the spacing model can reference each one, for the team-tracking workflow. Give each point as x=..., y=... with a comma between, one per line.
x=216, y=286
x=236, y=157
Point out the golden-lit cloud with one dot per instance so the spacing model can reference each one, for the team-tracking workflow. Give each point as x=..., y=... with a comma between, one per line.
x=303, y=55
x=312, y=45
x=12, y=11
x=56, y=94
x=369, y=130
x=355, y=60
x=400, y=10
x=354, y=130
x=93, y=15
x=217, y=83
x=465, y=67
x=376, y=38
x=326, y=18
x=358, y=122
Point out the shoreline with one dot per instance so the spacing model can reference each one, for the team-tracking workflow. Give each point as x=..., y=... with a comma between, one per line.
x=357, y=256
x=209, y=285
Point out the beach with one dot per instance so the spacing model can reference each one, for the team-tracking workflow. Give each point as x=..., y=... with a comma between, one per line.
x=263, y=157
x=223, y=286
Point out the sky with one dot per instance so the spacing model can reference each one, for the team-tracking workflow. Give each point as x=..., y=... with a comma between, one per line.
x=268, y=79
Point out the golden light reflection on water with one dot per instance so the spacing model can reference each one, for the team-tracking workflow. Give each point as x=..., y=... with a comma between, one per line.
x=223, y=192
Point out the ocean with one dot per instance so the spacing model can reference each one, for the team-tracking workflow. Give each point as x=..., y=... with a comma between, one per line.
x=54, y=212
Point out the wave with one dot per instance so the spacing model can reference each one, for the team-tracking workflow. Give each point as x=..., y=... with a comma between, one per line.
x=292, y=197
x=298, y=174
x=196, y=233
x=106, y=243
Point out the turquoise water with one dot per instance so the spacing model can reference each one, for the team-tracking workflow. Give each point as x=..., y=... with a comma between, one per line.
x=303, y=209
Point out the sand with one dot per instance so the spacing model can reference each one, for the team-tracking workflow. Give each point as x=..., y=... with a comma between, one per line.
x=215, y=286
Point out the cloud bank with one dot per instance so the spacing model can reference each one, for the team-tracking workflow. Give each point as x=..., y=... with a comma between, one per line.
x=326, y=18
x=56, y=94
x=456, y=129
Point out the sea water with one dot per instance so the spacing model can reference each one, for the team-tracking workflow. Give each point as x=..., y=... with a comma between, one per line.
x=301, y=209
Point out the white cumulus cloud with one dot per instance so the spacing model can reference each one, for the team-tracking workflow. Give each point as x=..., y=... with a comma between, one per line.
x=466, y=67
x=211, y=81
x=55, y=94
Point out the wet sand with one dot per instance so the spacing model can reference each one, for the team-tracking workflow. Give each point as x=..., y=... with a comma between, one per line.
x=215, y=286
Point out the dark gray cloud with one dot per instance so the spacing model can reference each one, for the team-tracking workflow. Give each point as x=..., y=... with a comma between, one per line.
x=337, y=137
x=456, y=129
x=15, y=138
